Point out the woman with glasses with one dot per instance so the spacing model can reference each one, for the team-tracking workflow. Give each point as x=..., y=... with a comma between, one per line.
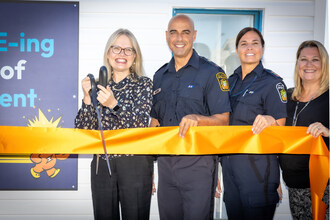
x=126, y=102
x=308, y=105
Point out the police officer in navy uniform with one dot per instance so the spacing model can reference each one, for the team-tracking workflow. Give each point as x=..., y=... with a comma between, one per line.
x=188, y=91
x=258, y=98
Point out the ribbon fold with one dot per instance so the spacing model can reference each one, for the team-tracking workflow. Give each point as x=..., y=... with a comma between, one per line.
x=165, y=140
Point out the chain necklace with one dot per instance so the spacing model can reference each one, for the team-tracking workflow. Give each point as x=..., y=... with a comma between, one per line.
x=121, y=82
x=115, y=89
x=295, y=116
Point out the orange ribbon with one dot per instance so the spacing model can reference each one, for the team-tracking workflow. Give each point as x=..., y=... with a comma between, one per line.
x=165, y=140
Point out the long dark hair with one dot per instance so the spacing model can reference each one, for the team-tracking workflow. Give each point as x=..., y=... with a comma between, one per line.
x=244, y=31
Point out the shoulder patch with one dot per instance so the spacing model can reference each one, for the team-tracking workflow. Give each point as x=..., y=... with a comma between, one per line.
x=223, y=81
x=282, y=92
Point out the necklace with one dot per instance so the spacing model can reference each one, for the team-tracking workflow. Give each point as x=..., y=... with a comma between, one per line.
x=119, y=89
x=295, y=116
x=121, y=83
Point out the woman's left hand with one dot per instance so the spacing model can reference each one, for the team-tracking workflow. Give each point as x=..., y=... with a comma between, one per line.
x=105, y=97
x=317, y=129
x=261, y=122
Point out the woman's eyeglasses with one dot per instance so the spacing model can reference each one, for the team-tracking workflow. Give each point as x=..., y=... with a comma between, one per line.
x=128, y=51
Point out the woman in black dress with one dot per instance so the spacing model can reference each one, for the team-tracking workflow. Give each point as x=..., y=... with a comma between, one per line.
x=308, y=105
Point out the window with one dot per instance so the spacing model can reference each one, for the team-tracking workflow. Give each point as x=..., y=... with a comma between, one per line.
x=217, y=30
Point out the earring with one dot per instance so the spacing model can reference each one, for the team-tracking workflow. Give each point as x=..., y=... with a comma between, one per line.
x=132, y=67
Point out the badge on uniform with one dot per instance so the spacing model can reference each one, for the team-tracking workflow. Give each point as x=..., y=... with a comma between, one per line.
x=281, y=91
x=223, y=82
x=157, y=91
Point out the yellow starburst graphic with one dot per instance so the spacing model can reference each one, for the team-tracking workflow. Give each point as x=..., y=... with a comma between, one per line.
x=42, y=121
x=42, y=162
x=45, y=162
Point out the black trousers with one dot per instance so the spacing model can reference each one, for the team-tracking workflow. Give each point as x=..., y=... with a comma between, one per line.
x=250, y=186
x=186, y=187
x=130, y=184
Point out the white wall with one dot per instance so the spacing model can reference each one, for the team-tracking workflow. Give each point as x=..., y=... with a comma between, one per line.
x=285, y=25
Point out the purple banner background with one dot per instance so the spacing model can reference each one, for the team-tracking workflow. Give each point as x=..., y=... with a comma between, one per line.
x=38, y=72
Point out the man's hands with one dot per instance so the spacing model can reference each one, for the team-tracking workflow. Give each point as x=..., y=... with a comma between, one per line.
x=193, y=120
x=186, y=122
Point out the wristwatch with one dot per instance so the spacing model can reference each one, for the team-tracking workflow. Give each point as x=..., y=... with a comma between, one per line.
x=116, y=107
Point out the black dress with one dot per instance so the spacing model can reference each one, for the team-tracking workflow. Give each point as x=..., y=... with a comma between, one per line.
x=295, y=168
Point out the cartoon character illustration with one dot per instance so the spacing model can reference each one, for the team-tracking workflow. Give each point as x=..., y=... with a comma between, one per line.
x=46, y=162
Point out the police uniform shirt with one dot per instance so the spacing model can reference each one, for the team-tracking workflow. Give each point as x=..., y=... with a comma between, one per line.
x=254, y=177
x=261, y=92
x=200, y=87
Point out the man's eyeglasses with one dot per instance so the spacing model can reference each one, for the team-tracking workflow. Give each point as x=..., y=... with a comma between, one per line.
x=128, y=51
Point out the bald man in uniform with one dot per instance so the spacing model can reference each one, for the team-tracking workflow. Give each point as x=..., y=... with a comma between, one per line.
x=188, y=91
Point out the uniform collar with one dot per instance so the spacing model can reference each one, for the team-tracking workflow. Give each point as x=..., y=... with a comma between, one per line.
x=257, y=70
x=193, y=62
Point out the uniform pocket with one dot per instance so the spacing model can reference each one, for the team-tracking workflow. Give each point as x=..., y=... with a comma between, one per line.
x=192, y=92
x=190, y=101
x=248, y=108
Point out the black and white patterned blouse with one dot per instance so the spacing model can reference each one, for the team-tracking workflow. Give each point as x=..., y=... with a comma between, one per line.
x=134, y=97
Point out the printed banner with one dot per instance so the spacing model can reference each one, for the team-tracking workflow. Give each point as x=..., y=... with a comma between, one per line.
x=38, y=87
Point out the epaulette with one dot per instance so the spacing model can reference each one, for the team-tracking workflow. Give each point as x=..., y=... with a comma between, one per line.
x=208, y=61
x=232, y=75
x=162, y=67
x=272, y=73
x=159, y=75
